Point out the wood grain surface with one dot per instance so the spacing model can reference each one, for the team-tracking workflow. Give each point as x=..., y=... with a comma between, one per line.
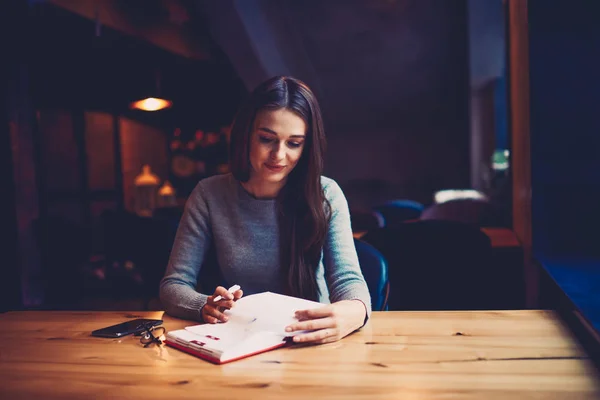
x=413, y=355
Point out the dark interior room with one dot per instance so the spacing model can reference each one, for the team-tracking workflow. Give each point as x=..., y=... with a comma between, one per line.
x=432, y=234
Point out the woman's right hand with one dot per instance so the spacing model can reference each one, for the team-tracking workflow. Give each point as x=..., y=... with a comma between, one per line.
x=212, y=312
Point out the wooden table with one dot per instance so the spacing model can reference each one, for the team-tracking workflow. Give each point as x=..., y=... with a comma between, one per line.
x=413, y=355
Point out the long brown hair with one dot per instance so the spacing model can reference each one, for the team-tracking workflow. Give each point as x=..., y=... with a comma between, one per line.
x=304, y=211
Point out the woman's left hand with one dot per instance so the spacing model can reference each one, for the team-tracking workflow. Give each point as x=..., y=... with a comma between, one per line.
x=329, y=323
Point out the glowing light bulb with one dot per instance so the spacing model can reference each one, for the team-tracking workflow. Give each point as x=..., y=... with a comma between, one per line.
x=151, y=104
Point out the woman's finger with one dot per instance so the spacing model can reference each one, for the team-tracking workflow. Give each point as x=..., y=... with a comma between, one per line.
x=221, y=291
x=238, y=294
x=206, y=317
x=213, y=312
x=222, y=304
x=317, y=336
x=209, y=318
x=311, y=325
x=314, y=313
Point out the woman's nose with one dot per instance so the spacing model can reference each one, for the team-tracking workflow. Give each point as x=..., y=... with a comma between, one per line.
x=278, y=152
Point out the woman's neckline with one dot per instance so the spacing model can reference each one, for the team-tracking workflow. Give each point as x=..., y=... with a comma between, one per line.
x=250, y=195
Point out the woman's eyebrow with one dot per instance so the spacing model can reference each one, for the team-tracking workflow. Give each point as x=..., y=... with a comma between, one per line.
x=272, y=132
x=262, y=128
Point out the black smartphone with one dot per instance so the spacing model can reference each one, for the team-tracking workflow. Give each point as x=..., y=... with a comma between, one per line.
x=126, y=328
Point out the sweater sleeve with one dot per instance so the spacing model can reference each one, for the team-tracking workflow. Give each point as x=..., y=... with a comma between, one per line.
x=342, y=270
x=178, y=287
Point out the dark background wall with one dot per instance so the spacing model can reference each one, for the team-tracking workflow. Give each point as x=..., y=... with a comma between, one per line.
x=75, y=145
x=565, y=126
x=392, y=79
x=10, y=290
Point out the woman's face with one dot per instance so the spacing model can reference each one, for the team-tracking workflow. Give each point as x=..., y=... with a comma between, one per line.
x=276, y=144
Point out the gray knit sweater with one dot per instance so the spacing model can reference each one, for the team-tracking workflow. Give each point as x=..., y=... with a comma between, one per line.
x=244, y=233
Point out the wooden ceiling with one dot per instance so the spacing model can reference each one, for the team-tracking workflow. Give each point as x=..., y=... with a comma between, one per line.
x=105, y=62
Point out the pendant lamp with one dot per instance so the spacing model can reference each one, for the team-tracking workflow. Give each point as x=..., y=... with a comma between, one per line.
x=154, y=102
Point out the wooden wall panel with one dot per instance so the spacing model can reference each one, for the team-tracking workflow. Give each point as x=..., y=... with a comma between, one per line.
x=141, y=144
x=518, y=57
x=60, y=156
x=100, y=150
x=67, y=210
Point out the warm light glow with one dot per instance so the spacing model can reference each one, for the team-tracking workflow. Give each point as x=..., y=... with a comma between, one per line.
x=151, y=104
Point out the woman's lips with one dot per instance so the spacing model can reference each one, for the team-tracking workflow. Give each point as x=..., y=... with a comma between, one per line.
x=275, y=168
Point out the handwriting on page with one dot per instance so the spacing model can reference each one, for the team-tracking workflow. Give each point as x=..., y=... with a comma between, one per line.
x=256, y=323
x=255, y=314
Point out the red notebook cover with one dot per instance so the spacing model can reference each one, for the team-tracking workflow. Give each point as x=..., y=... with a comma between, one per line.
x=216, y=360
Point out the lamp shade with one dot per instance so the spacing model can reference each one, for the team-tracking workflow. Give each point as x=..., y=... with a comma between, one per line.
x=151, y=104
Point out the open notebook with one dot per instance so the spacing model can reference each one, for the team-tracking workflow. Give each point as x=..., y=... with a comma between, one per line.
x=256, y=324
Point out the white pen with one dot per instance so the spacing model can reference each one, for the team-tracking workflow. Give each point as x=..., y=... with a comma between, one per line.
x=232, y=289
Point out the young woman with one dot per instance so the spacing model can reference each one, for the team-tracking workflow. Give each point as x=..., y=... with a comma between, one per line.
x=274, y=222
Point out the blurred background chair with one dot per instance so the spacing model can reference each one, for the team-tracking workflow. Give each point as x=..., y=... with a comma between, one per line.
x=375, y=270
x=438, y=265
x=142, y=243
x=479, y=212
x=64, y=249
x=396, y=212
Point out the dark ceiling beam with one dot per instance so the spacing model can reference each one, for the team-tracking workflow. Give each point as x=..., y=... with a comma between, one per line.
x=167, y=33
x=228, y=30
